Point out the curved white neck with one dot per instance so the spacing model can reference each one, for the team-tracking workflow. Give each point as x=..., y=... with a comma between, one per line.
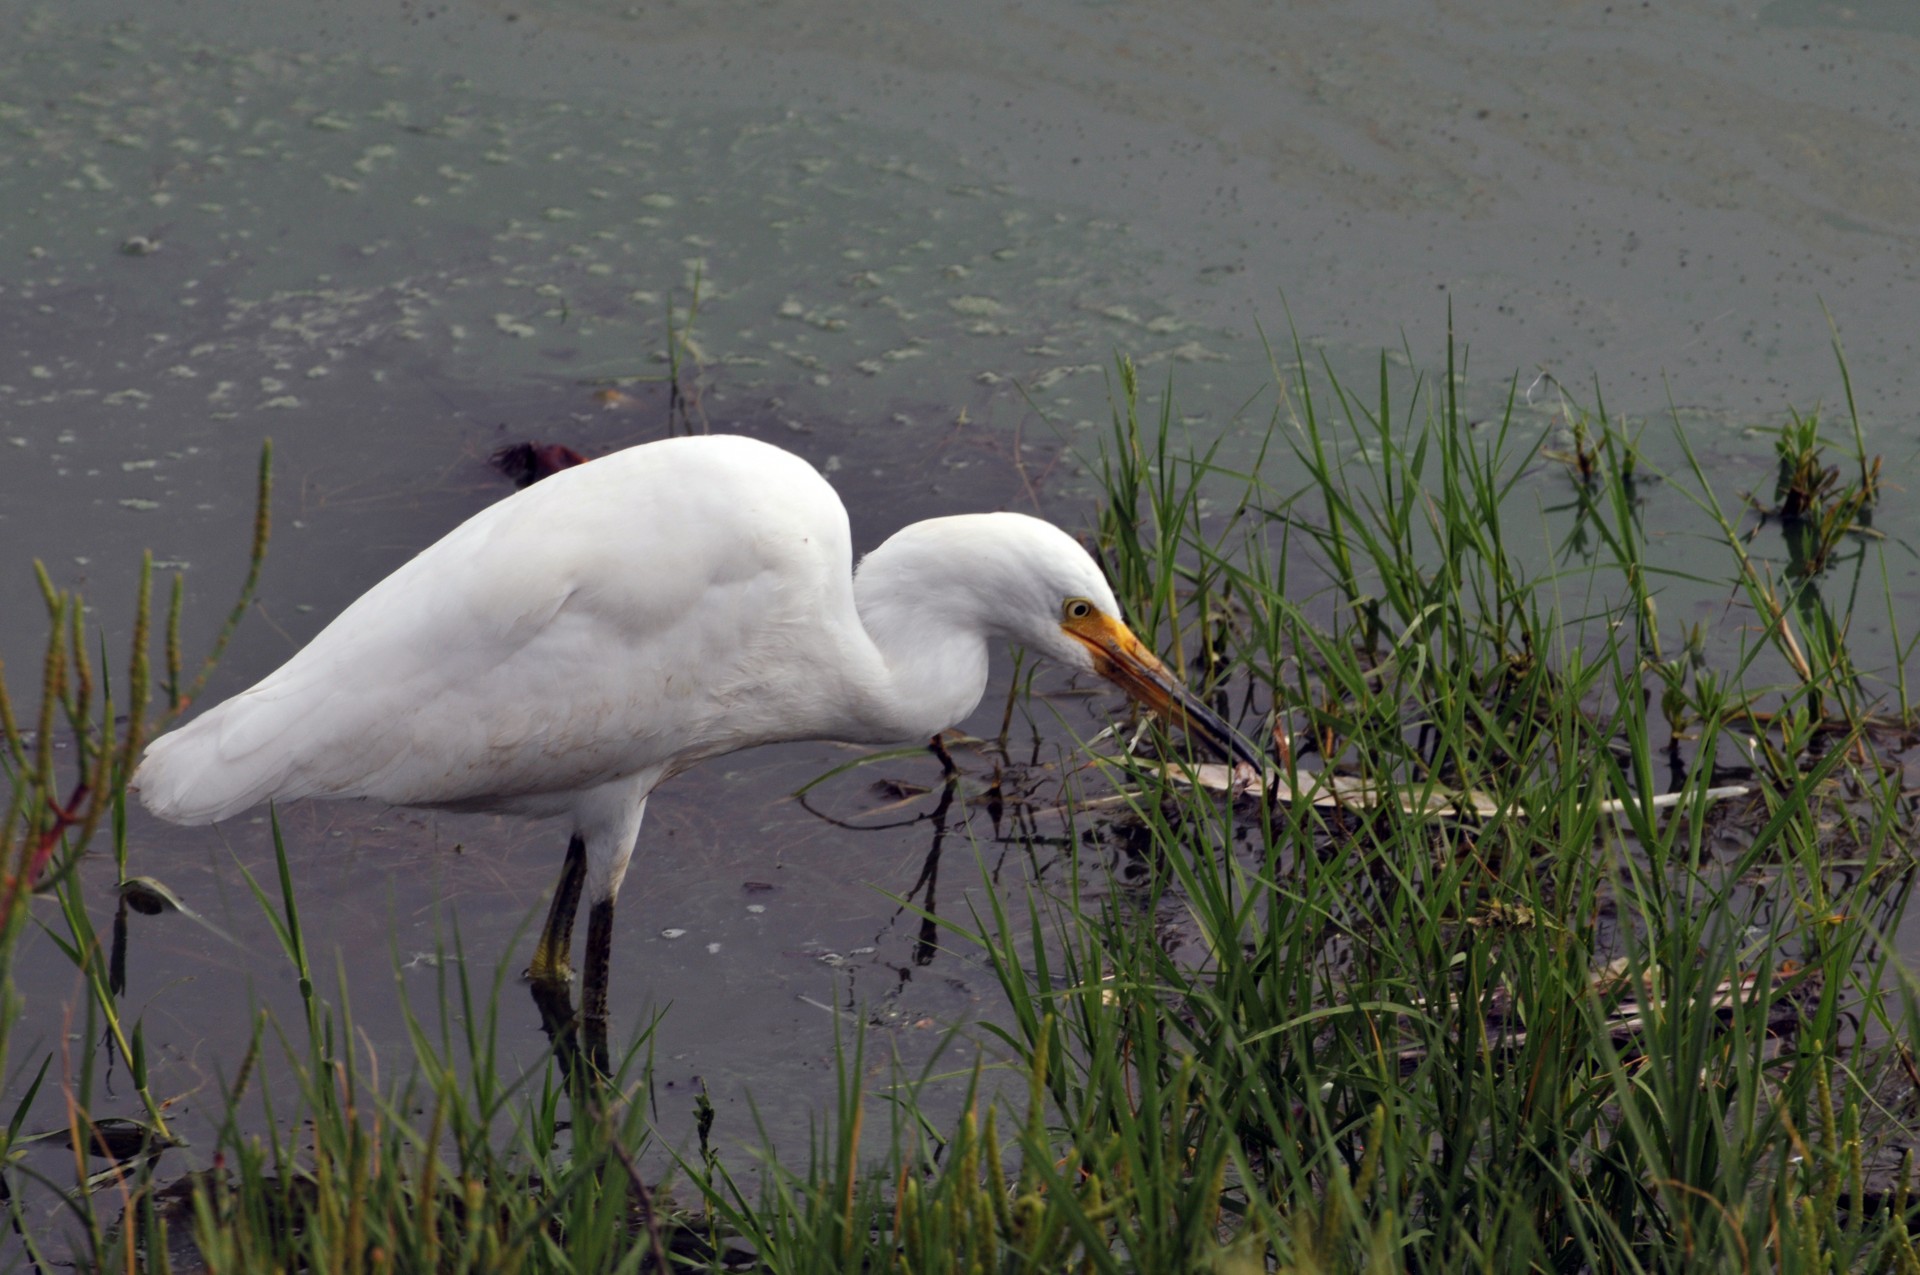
x=932, y=639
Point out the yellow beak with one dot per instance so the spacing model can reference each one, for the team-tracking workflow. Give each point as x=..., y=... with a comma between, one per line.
x=1122, y=659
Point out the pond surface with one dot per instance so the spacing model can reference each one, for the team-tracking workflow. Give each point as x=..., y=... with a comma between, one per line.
x=906, y=242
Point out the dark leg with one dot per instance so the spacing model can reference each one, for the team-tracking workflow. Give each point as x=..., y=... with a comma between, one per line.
x=557, y=1020
x=550, y=964
x=593, y=983
x=938, y=747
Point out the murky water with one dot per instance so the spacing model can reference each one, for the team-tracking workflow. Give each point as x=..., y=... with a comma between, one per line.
x=395, y=237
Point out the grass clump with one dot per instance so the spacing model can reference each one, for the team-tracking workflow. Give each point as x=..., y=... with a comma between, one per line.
x=1556, y=937
x=1529, y=993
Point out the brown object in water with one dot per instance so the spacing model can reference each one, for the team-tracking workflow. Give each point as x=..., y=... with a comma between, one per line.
x=528, y=463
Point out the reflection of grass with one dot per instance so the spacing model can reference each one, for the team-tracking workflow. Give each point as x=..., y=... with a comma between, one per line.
x=1527, y=1017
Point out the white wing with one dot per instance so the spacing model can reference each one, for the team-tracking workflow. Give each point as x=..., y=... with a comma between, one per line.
x=666, y=603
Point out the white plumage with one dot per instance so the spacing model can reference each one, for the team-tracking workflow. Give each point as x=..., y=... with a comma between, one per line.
x=567, y=649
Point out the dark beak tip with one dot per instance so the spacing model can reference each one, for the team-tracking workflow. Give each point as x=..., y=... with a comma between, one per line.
x=1237, y=751
x=1209, y=728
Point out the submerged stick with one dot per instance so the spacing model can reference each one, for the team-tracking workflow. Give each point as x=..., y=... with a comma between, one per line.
x=1344, y=792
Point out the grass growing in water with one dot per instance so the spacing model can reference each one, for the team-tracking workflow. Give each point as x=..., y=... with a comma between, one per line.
x=1508, y=982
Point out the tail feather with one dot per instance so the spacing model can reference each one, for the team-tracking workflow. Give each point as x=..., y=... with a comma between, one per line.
x=194, y=775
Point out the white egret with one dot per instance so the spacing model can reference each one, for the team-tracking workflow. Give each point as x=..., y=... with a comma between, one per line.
x=566, y=650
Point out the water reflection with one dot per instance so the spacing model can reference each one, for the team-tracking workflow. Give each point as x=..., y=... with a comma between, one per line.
x=922, y=894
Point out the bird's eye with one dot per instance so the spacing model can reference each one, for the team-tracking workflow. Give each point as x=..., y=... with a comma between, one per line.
x=1078, y=608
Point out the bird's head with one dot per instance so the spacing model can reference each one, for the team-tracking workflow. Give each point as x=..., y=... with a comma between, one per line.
x=1026, y=580
x=1096, y=639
